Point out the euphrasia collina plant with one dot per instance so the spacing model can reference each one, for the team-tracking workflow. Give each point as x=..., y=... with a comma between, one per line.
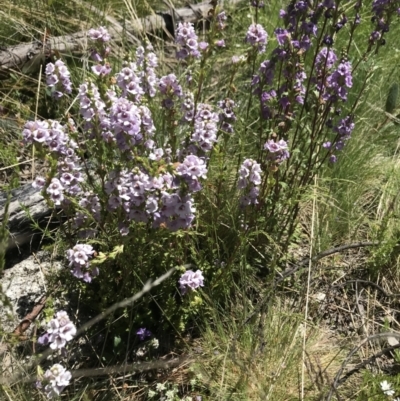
x=148, y=168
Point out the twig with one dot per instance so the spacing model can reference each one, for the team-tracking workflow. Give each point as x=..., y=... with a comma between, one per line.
x=367, y=362
x=370, y=283
x=337, y=380
x=16, y=164
x=30, y=317
x=288, y=272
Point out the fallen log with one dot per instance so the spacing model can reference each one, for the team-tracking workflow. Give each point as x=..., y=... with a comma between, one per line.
x=25, y=56
x=26, y=204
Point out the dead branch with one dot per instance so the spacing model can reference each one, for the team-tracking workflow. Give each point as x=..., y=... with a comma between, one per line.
x=23, y=55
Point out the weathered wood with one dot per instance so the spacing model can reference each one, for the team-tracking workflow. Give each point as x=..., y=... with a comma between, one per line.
x=25, y=56
x=19, y=223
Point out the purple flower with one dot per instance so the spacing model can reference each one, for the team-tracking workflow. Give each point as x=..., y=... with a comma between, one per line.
x=60, y=330
x=147, y=62
x=257, y=36
x=44, y=339
x=57, y=378
x=100, y=34
x=187, y=38
x=205, y=127
x=192, y=167
x=39, y=182
x=129, y=80
x=221, y=18
x=143, y=333
x=58, y=79
x=325, y=59
x=338, y=81
x=249, y=180
x=282, y=36
x=191, y=280
x=78, y=258
x=277, y=151
x=55, y=190
x=257, y=3
x=101, y=70
x=227, y=115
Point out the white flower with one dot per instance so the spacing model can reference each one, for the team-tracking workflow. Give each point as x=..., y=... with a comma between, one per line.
x=154, y=343
x=160, y=387
x=387, y=388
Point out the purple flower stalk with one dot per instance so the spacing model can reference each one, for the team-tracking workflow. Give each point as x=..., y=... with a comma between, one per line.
x=249, y=181
x=205, y=127
x=227, y=115
x=221, y=18
x=191, y=280
x=147, y=62
x=257, y=37
x=58, y=79
x=186, y=37
x=169, y=86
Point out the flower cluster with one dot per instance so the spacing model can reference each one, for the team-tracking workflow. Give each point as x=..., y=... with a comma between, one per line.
x=342, y=132
x=227, y=115
x=51, y=136
x=277, y=151
x=191, y=280
x=147, y=62
x=58, y=79
x=187, y=107
x=100, y=50
x=249, y=181
x=78, y=258
x=205, y=127
x=383, y=11
x=293, y=41
x=169, y=87
x=57, y=378
x=100, y=34
x=338, y=82
x=191, y=170
x=221, y=18
x=186, y=37
x=331, y=82
x=257, y=37
x=129, y=80
x=60, y=330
